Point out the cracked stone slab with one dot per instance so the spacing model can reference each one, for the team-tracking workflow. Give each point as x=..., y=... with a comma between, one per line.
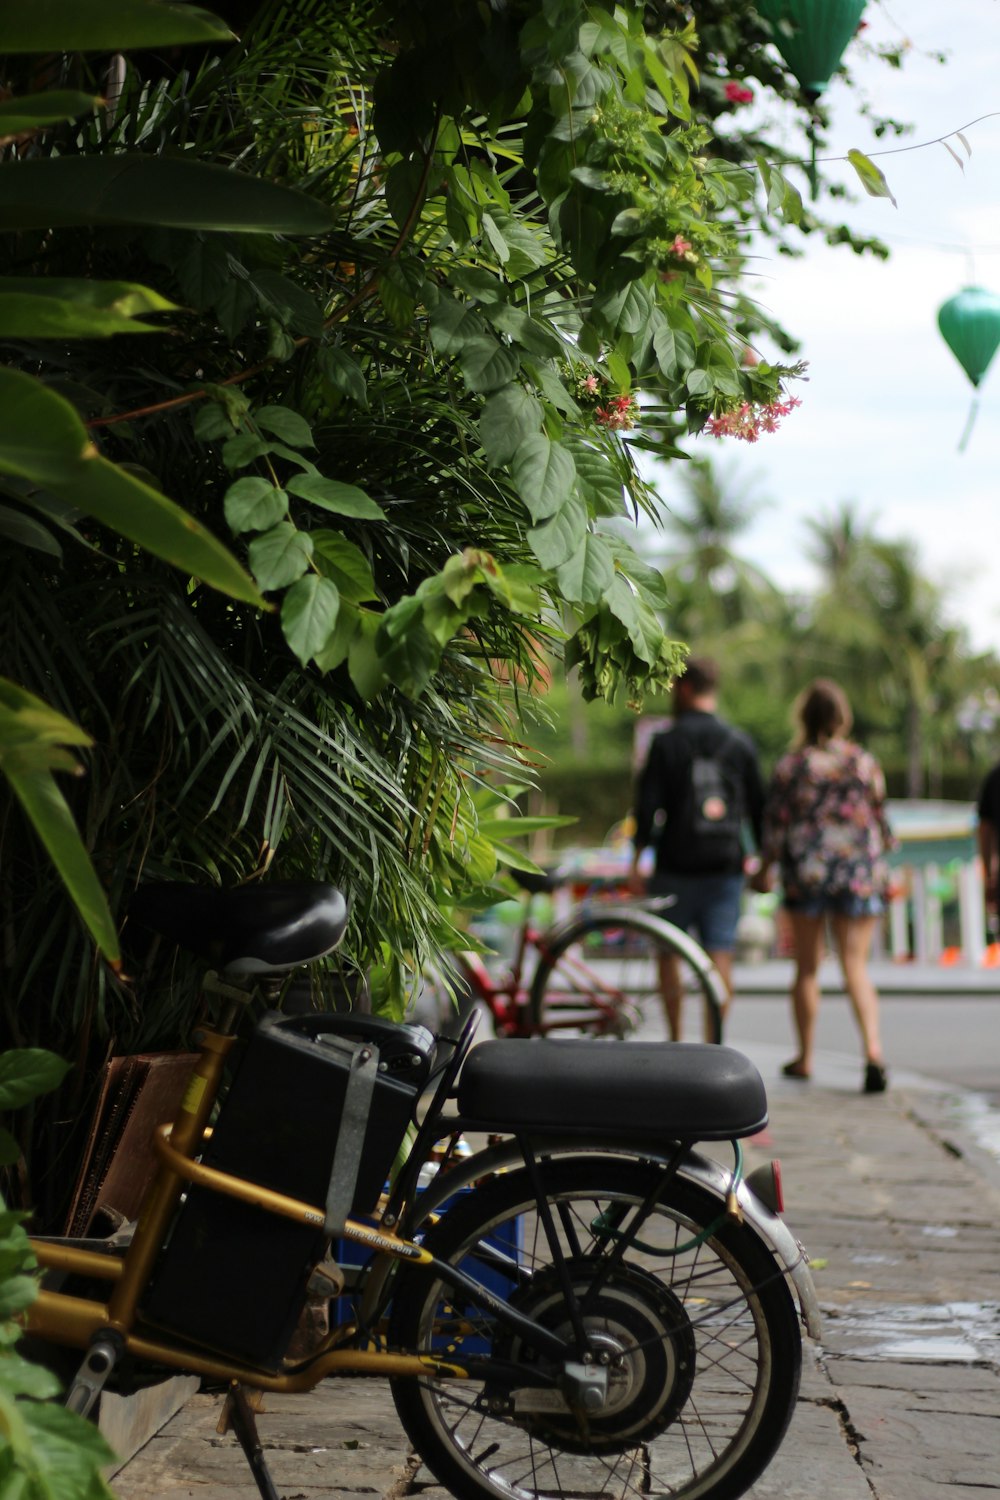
x=815, y=1460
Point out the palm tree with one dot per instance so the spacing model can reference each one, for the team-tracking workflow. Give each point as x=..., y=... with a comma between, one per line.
x=879, y=623
x=713, y=590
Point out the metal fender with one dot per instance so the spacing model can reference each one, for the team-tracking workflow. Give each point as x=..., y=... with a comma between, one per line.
x=770, y=1228
x=701, y=1170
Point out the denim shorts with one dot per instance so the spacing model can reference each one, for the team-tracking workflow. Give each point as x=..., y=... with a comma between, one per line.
x=708, y=903
x=837, y=903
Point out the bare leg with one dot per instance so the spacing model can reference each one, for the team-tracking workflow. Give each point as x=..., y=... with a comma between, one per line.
x=853, y=936
x=807, y=937
x=671, y=992
x=723, y=961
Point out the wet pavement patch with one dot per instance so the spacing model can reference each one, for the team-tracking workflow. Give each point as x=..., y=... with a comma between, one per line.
x=951, y=1333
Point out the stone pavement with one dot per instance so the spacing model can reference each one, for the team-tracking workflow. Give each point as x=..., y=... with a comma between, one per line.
x=897, y=1203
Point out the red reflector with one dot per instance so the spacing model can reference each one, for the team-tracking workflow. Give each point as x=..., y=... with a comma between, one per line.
x=779, y=1192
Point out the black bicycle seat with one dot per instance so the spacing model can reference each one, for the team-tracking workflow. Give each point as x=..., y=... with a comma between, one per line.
x=630, y=1090
x=252, y=929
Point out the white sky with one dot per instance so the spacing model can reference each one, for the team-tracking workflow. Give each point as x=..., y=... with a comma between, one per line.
x=886, y=401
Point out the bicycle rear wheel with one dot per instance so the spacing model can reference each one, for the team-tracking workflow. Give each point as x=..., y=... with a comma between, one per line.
x=695, y=1320
x=597, y=968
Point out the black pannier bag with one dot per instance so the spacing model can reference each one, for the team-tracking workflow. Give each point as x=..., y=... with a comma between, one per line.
x=232, y=1276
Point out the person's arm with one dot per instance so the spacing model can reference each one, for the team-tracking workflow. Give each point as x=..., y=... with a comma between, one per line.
x=989, y=853
x=775, y=815
x=648, y=801
x=755, y=797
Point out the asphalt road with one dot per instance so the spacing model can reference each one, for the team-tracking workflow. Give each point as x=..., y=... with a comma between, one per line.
x=951, y=1038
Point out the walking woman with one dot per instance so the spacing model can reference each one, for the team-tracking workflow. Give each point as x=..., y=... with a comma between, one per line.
x=825, y=827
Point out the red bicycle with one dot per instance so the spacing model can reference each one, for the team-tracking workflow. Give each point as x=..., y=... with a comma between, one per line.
x=583, y=975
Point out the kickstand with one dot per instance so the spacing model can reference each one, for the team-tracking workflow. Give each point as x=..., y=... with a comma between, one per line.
x=239, y=1415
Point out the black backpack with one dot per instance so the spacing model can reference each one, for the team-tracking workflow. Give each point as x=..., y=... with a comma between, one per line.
x=706, y=828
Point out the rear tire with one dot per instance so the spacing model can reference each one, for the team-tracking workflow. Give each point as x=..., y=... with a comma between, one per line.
x=702, y=1338
x=595, y=970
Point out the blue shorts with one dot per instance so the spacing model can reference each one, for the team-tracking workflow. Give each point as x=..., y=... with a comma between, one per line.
x=708, y=903
x=837, y=903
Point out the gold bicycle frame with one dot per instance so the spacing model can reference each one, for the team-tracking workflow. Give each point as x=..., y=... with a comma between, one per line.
x=61, y=1318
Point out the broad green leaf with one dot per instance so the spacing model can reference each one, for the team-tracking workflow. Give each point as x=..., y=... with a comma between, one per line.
x=367, y=671
x=38, y=314
x=509, y=417
x=338, y=643
x=280, y=556
x=343, y=373
x=32, y=111
x=499, y=245
x=453, y=325
x=624, y=311
x=105, y=26
x=404, y=189
x=647, y=578
x=137, y=511
x=27, y=744
x=254, y=504
x=556, y=540
x=872, y=177
x=26, y=1072
x=27, y=532
x=516, y=323
x=211, y=422
x=517, y=827
x=644, y=629
x=334, y=495
x=477, y=282
x=543, y=474
x=526, y=249
x=41, y=436
x=127, y=298
x=10, y=1151
x=411, y=661
x=291, y=304
x=597, y=480
x=308, y=615
x=244, y=449
x=286, y=424
x=584, y=577
x=42, y=439
x=27, y=1379
x=46, y=810
x=400, y=287
x=16, y=1293
x=344, y=563
x=62, y=1438
x=126, y=188
x=488, y=365
x=41, y=724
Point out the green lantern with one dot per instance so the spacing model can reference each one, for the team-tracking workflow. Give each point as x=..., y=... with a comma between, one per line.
x=970, y=326
x=811, y=36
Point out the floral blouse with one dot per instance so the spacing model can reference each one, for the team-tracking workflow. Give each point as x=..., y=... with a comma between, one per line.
x=825, y=823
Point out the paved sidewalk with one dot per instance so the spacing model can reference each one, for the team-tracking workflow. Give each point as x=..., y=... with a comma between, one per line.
x=897, y=1202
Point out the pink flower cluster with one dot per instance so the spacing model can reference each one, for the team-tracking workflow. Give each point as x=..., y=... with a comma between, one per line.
x=619, y=414
x=748, y=421
x=738, y=93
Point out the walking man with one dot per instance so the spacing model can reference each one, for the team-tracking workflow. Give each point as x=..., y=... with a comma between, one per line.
x=699, y=791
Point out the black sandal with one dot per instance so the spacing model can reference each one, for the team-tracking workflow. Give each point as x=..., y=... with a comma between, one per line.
x=793, y=1069
x=876, y=1079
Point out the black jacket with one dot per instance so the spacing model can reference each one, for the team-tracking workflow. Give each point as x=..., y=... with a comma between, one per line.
x=664, y=784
